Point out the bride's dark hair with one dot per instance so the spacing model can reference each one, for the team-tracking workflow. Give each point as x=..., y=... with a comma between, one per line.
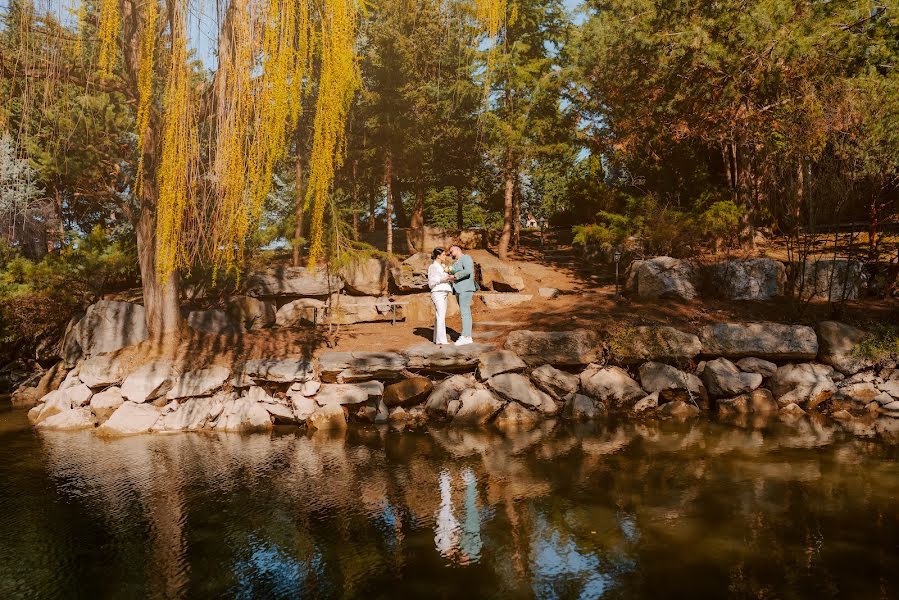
x=437, y=252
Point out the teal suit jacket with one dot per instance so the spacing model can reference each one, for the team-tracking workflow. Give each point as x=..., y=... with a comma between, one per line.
x=463, y=269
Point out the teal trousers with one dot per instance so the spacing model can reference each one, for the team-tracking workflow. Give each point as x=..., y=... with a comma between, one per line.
x=465, y=299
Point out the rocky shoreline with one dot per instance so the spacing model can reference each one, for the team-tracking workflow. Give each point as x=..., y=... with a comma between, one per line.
x=773, y=369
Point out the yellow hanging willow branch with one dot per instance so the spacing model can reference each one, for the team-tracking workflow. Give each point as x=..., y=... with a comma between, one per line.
x=491, y=15
x=179, y=154
x=108, y=34
x=145, y=84
x=256, y=115
x=338, y=81
x=234, y=97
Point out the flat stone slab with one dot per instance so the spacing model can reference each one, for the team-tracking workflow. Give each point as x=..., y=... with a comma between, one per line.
x=292, y=281
x=770, y=341
x=655, y=343
x=346, y=367
x=577, y=347
x=349, y=393
x=432, y=356
x=278, y=371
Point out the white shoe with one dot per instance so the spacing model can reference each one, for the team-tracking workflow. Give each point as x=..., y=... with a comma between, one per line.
x=464, y=341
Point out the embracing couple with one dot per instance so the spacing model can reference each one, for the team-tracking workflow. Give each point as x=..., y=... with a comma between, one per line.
x=457, y=278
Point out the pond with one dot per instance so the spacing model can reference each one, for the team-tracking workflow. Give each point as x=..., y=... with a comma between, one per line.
x=605, y=510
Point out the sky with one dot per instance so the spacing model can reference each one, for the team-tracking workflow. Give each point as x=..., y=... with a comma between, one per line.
x=202, y=26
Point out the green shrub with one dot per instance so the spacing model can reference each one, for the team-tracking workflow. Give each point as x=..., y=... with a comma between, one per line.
x=882, y=341
x=720, y=221
x=37, y=298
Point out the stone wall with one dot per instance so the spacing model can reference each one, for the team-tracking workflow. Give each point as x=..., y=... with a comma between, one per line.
x=752, y=279
x=728, y=369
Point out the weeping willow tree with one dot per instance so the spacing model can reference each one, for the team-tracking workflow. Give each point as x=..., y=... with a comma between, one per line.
x=208, y=143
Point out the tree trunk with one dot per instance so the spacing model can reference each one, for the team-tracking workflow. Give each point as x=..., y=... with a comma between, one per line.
x=873, y=228
x=61, y=224
x=402, y=220
x=417, y=220
x=506, y=237
x=356, y=200
x=460, y=204
x=161, y=298
x=372, y=205
x=161, y=293
x=300, y=201
x=388, y=183
x=516, y=216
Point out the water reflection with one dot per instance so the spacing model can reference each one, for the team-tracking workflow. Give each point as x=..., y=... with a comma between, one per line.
x=597, y=509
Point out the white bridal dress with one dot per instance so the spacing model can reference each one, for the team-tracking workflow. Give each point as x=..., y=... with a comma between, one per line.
x=440, y=291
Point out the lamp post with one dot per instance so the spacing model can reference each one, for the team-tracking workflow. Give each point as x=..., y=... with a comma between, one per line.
x=616, y=255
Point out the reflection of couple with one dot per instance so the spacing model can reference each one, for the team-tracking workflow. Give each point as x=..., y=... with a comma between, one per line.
x=462, y=544
x=458, y=279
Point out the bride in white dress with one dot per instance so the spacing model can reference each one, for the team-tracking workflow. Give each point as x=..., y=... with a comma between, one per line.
x=438, y=281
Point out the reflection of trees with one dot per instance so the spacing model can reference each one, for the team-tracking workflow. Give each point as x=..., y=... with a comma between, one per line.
x=564, y=510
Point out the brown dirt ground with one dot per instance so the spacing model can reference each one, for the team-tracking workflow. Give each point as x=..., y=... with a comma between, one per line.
x=588, y=301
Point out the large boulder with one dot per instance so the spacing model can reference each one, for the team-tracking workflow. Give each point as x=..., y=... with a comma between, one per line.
x=659, y=377
x=757, y=365
x=193, y=415
x=366, y=277
x=411, y=275
x=347, y=367
x=243, y=414
x=349, y=393
x=69, y=420
x=200, y=382
x=303, y=310
x=327, y=417
x=515, y=417
x=102, y=370
x=151, y=381
x=558, y=384
x=666, y=277
x=630, y=276
x=53, y=403
x=757, y=401
x=650, y=342
x=559, y=348
x=838, y=346
x=292, y=281
x=723, y=379
x=748, y=279
x=428, y=356
x=772, y=341
x=130, y=419
x=832, y=280
x=348, y=310
x=498, y=275
x=476, y=406
x=503, y=301
x=611, y=385
x=408, y=392
x=517, y=387
x=109, y=325
x=251, y=313
x=106, y=402
x=447, y=391
x=580, y=408
x=498, y=361
x=806, y=384
x=418, y=309
x=214, y=321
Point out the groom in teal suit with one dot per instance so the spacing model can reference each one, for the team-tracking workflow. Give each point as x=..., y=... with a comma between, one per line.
x=464, y=286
